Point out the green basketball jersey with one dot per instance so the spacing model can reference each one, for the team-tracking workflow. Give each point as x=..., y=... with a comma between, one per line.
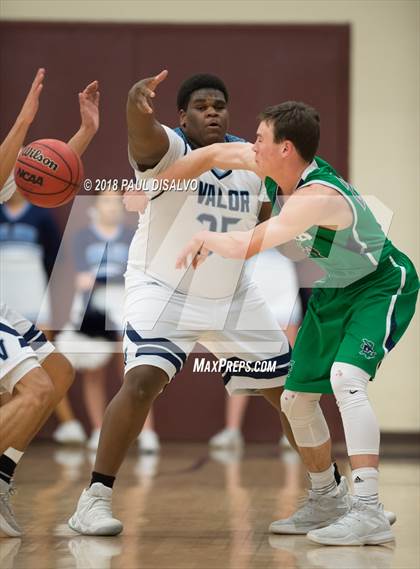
x=349, y=254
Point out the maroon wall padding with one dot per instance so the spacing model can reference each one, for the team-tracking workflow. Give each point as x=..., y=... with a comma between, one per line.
x=261, y=65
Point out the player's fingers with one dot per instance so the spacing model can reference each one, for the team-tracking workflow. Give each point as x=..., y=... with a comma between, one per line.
x=158, y=78
x=91, y=88
x=144, y=106
x=148, y=93
x=39, y=77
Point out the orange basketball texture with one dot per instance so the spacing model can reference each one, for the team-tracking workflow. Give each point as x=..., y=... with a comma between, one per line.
x=48, y=172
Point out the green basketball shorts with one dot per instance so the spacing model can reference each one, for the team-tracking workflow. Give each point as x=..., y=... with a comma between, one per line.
x=358, y=324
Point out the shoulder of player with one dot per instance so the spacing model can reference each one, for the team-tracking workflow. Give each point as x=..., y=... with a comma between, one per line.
x=315, y=189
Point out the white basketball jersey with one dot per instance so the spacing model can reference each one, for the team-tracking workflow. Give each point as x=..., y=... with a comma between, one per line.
x=223, y=201
x=9, y=188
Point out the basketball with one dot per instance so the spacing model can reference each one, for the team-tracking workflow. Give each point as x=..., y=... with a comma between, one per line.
x=48, y=173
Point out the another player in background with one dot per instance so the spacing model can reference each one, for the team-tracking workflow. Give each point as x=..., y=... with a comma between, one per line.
x=100, y=253
x=167, y=314
x=29, y=243
x=35, y=389
x=356, y=314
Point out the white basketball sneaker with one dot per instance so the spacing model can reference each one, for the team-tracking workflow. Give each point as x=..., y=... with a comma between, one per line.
x=93, y=515
x=364, y=524
x=390, y=516
x=148, y=441
x=228, y=438
x=8, y=523
x=318, y=511
x=93, y=441
x=70, y=433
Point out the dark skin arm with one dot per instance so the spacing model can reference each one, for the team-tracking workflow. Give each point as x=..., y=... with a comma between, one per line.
x=147, y=138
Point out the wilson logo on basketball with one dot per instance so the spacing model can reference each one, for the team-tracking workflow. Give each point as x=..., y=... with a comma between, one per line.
x=37, y=155
x=28, y=177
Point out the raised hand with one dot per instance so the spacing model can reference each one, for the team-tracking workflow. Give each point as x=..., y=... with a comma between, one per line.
x=89, y=107
x=31, y=104
x=144, y=90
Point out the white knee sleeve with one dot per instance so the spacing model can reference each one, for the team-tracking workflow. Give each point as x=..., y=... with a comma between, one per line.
x=305, y=417
x=361, y=428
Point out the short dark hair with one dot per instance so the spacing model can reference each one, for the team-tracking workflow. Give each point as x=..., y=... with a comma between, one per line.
x=296, y=122
x=196, y=82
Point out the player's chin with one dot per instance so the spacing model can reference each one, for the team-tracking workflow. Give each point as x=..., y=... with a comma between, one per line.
x=213, y=136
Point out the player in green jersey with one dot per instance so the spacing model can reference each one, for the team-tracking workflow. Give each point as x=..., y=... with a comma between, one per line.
x=356, y=314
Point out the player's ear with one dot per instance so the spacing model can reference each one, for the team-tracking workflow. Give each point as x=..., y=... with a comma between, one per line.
x=182, y=118
x=286, y=148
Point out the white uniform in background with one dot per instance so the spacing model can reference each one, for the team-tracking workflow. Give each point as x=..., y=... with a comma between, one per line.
x=22, y=345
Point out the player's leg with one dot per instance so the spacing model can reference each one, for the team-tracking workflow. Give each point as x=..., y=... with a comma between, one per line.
x=61, y=373
x=20, y=417
x=151, y=360
x=378, y=322
x=126, y=414
x=31, y=392
x=328, y=497
x=273, y=396
x=148, y=440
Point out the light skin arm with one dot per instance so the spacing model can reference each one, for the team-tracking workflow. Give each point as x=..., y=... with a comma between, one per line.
x=231, y=156
x=235, y=155
x=314, y=205
x=10, y=147
x=147, y=139
x=89, y=113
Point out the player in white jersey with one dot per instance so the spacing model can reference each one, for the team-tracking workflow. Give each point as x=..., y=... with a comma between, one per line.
x=167, y=313
x=31, y=371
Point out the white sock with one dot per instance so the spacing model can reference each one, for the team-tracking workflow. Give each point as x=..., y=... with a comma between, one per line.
x=323, y=482
x=13, y=454
x=365, y=483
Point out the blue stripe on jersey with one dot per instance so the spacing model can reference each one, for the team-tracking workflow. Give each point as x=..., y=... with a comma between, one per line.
x=158, y=351
x=161, y=347
x=31, y=333
x=12, y=332
x=35, y=338
x=282, y=368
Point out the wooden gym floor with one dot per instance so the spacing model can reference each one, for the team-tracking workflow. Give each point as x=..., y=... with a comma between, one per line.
x=188, y=509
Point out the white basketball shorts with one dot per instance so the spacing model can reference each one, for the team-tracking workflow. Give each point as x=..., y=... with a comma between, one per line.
x=162, y=327
x=20, y=341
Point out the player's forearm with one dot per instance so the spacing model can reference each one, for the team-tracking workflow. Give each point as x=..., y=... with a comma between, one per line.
x=232, y=245
x=81, y=140
x=147, y=138
x=10, y=148
x=190, y=166
x=221, y=155
x=246, y=244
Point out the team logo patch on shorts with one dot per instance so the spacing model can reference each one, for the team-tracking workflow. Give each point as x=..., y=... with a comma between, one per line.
x=367, y=349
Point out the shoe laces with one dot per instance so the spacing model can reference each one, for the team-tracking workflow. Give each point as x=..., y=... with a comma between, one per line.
x=355, y=513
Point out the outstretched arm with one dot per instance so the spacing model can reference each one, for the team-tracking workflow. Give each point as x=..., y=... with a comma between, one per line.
x=227, y=156
x=10, y=147
x=147, y=139
x=89, y=113
x=312, y=206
